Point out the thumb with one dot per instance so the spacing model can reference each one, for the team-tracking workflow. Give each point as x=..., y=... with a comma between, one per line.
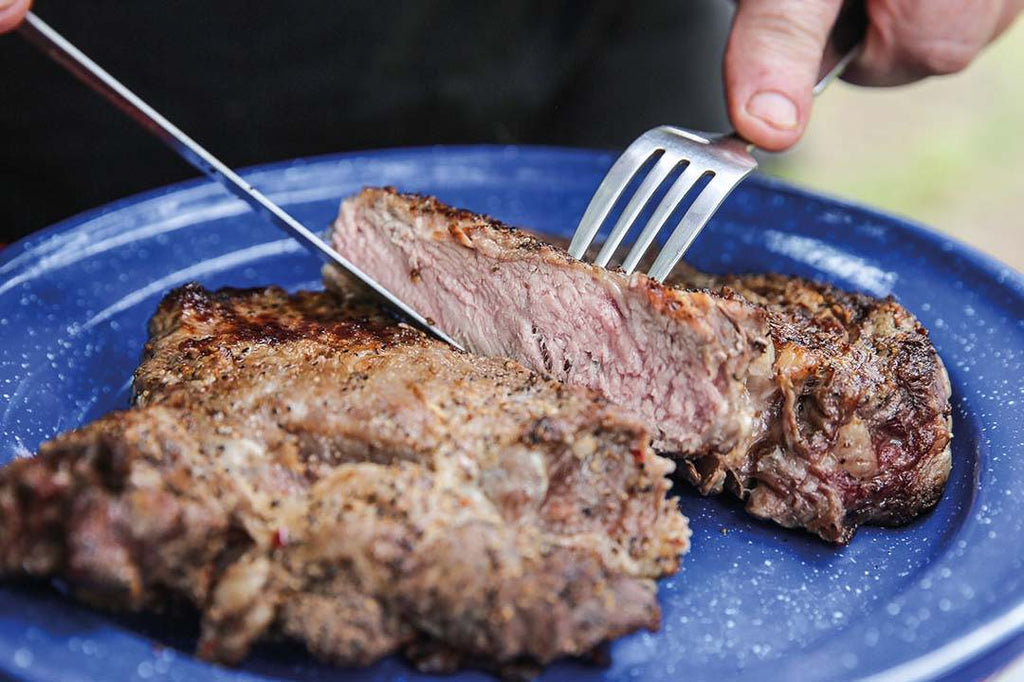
x=771, y=64
x=11, y=13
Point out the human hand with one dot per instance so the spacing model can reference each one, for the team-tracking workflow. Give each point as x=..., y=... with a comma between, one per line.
x=775, y=49
x=11, y=13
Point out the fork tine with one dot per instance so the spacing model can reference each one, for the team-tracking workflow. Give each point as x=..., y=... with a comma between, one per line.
x=608, y=193
x=706, y=203
x=643, y=194
x=689, y=177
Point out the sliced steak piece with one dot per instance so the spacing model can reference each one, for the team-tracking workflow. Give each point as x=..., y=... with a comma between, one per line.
x=295, y=465
x=823, y=409
x=687, y=362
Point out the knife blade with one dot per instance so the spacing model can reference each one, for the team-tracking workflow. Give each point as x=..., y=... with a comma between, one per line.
x=42, y=36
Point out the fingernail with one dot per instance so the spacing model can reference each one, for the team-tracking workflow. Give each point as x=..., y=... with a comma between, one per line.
x=774, y=108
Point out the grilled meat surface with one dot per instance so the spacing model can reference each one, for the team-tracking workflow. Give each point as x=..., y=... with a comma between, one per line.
x=822, y=409
x=295, y=466
x=859, y=427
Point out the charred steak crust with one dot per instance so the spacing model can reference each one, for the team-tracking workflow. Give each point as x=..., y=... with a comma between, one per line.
x=299, y=466
x=823, y=409
x=862, y=425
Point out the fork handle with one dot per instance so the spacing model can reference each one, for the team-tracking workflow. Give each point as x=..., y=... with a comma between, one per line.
x=845, y=42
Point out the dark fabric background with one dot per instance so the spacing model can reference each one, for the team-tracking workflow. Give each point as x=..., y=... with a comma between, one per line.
x=258, y=82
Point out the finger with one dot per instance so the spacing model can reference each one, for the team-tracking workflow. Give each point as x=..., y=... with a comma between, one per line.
x=11, y=13
x=771, y=64
x=911, y=39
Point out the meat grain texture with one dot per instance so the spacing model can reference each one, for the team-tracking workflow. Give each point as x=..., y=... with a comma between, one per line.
x=822, y=409
x=299, y=467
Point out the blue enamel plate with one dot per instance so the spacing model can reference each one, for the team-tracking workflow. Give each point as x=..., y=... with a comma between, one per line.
x=940, y=598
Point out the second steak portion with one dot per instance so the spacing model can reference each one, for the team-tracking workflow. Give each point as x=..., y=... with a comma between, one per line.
x=822, y=409
x=297, y=466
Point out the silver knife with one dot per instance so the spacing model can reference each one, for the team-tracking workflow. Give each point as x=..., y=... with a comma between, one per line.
x=39, y=33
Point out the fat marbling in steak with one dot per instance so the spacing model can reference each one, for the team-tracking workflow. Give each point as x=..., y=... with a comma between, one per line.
x=859, y=427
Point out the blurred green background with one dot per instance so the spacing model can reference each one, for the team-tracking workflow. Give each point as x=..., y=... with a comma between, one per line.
x=947, y=152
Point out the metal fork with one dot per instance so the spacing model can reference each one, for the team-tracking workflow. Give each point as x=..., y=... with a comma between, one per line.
x=725, y=158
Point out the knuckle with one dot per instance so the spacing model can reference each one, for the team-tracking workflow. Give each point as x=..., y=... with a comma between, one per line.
x=940, y=57
x=932, y=39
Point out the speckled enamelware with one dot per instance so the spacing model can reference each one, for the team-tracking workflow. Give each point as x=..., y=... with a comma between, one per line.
x=939, y=597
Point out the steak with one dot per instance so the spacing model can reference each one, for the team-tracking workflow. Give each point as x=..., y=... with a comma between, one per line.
x=823, y=410
x=297, y=466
